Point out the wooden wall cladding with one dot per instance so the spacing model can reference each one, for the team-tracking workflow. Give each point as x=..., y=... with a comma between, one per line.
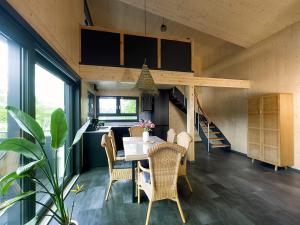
x=176, y=55
x=136, y=48
x=100, y=48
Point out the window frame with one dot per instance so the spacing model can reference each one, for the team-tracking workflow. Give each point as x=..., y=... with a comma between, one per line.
x=118, y=113
x=34, y=48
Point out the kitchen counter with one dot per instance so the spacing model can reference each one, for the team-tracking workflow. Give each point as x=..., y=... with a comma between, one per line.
x=104, y=129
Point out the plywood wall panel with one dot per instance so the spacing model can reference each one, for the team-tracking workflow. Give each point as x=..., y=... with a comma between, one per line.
x=272, y=65
x=57, y=22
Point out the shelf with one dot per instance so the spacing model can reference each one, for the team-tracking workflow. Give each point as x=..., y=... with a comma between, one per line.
x=253, y=143
x=255, y=128
x=271, y=146
x=270, y=112
x=254, y=113
x=270, y=129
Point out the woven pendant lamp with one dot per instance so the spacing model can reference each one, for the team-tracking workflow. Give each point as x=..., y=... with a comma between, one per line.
x=145, y=82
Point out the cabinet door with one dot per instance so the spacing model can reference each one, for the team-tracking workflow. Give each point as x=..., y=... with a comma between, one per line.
x=254, y=128
x=270, y=128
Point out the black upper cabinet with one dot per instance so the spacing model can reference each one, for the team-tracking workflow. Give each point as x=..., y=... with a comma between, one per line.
x=137, y=48
x=175, y=55
x=160, y=113
x=103, y=49
x=100, y=48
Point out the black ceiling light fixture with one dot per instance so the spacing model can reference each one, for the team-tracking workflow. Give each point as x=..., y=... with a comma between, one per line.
x=163, y=27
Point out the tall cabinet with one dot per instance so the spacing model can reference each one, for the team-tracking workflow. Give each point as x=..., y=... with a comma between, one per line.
x=270, y=129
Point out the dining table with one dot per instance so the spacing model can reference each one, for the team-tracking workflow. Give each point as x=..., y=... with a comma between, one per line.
x=136, y=149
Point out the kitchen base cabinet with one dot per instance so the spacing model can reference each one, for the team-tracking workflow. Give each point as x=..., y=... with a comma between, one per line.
x=93, y=153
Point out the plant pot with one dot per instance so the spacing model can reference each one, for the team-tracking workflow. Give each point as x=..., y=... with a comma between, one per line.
x=145, y=136
x=73, y=222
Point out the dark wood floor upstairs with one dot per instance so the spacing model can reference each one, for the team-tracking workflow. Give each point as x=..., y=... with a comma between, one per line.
x=228, y=189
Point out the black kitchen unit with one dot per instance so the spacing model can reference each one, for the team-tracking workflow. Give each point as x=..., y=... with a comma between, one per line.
x=94, y=154
x=160, y=114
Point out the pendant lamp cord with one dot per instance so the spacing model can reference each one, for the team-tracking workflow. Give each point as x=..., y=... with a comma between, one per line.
x=145, y=18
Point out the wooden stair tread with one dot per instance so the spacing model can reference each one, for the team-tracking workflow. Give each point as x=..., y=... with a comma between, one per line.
x=219, y=145
x=204, y=126
x=217, y=139
x=212, y=132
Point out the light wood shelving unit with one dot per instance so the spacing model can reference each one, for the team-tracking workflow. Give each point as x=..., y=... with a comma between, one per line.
x=270, y=129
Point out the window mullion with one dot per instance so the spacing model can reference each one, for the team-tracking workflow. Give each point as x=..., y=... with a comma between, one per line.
x=118, y=106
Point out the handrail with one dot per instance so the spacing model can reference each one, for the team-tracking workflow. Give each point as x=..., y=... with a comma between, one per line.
x=207, y=119
x=201, y=109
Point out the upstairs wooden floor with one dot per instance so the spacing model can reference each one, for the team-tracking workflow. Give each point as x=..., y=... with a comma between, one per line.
x=228, y=189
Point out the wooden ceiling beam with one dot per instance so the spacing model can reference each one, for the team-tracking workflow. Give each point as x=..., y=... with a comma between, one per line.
x=121, y=74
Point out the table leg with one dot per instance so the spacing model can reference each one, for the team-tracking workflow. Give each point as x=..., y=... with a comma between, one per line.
x=133, y=165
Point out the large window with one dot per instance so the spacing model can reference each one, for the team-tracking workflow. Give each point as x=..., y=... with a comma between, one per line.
x=35, y=79
x=50, y=93
x=117, y=108
x=9, y=95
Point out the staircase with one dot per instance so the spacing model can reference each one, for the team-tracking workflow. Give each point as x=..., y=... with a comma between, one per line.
x=210, y=134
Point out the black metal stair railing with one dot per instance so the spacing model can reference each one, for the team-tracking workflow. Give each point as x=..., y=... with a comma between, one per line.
x=209, y=133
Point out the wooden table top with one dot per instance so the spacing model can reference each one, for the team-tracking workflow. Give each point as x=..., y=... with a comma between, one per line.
x=136, y=149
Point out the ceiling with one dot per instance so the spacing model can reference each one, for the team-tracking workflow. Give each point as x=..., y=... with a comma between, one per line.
x=242, y=22
x=121, y=16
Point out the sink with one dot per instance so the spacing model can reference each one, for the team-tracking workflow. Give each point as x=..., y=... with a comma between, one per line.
x=103, y=128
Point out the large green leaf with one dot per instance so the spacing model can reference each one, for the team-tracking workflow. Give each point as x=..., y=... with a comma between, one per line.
x=4, y=206
x=80, y=132
x=23, y=170
x=22, y=146
x=58, y=129
x=33, y=221
x=7, y=177
x=7, y=181
x=27, y=123
x=5, y=187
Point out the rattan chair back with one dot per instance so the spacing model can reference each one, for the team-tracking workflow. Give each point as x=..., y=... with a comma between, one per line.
x=113, y=143
x=107, y=145
x=171, y=136
x=136, y=131
x=184, y=140
x=164, y=162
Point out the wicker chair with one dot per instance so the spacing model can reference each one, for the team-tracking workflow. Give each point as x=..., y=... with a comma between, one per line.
x=118, y=169
x=184, y=140
x=136, y=131
x=118, y=154
x=159, y=182
x=171, y=136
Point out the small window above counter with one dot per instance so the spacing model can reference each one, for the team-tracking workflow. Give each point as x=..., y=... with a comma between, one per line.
x=117, y=108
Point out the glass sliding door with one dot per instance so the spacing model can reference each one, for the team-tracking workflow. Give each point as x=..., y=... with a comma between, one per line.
x=9, y=95
x=51, y=93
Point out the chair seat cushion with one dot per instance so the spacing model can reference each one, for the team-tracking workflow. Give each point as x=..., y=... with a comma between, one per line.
x=120, y=153
x=145, y=163
x=121, y=164
x=146, y=177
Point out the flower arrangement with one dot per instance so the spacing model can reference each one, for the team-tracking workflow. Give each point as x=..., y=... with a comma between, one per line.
x=147, y=125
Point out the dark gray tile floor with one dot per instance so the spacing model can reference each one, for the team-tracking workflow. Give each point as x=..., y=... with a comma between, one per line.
x=228, y=189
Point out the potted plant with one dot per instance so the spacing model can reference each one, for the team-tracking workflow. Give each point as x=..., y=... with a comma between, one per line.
x=148, y=126
x=35, y=151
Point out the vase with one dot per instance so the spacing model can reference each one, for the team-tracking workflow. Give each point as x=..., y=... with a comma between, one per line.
x=145, y=136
